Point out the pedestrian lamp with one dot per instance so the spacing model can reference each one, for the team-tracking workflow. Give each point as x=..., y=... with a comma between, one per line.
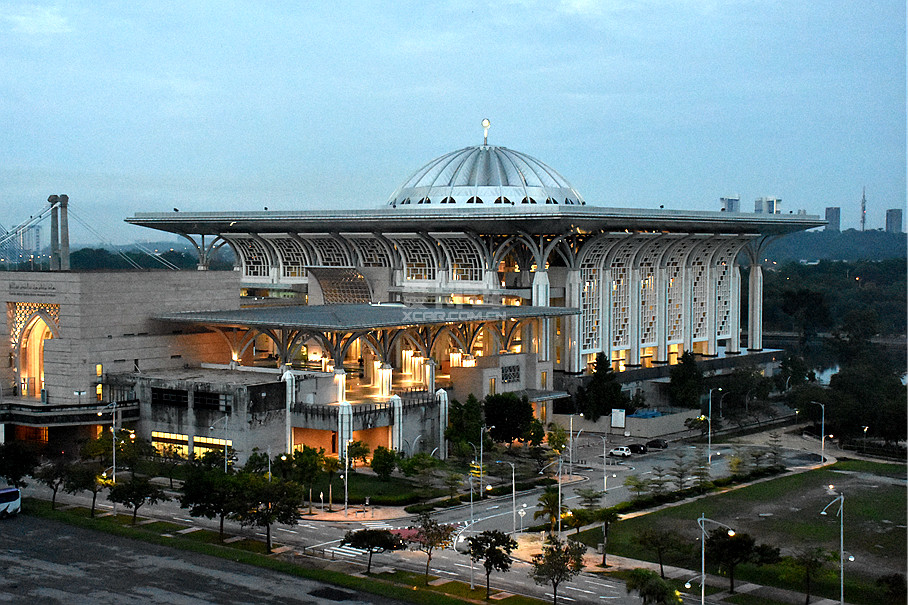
x=226, y=421
x=840, y=498
x=701, y=521
x=113, y=435
x=709, y=438
x=822, y=431
x=513, y=494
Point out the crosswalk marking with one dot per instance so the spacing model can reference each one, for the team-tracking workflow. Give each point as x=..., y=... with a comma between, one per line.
x=346, y=551
x=376, y=525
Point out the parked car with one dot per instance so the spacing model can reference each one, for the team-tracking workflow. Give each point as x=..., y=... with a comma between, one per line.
x=622, y=451
x=637, y=448
x=657, y=444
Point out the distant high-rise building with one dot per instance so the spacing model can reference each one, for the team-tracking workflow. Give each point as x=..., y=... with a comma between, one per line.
x=29, y=239
x=833, y=219
x=894, y=220
x=768, y=205
x=730, y=204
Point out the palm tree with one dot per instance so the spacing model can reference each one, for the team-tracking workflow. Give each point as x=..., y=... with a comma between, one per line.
x=550, y=507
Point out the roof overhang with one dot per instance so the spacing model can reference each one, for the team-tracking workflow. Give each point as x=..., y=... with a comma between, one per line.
x=358, y=317
x=546, y=219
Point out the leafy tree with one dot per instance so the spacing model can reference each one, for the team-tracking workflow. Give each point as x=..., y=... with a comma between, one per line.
x=731, y=551
x=659, y=480
x=605, y=516
x=661, y=542
x=418, y=464
x=208, y=492
x=589, y=497
x=453, y=481
x=332, y=467
x=508, y=416
x=384, y=461
x=493, y=548
x=534, y=434
x=637, y=485
x=170, y=458
x=307, y=464
x=549, y=507
x=261, y=503
x=702, y=478
x=808, y=564
x=357, y=450
x=559, y=562
x=135, y=492
x=680, y=470
x=557, y=437
x=372, y=541
x=430, y=535
x=256, y=463
x=84, y=476
x=466, y=422
x=652, y=588
x=53, y=475
x=808, y=310
x=576, y=518
x=686, y=382
x=602, y=393
x=17, y=461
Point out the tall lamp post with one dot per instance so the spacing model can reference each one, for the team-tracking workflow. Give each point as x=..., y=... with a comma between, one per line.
x=709, y=438
x=482, y=438
x=701, y=521
x=113, y=434
x=226, y=421
x=823, y=431
x=841, y=514
x=710, y=414
x=346, y=473
x=513, y=494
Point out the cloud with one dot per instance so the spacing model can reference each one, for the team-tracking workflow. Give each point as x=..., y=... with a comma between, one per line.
x=35, y=20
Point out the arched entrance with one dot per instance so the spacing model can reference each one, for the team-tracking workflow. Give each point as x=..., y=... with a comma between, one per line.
x=31, y=356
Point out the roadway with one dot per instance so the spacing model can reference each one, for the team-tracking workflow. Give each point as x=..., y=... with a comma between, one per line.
x=322, y=537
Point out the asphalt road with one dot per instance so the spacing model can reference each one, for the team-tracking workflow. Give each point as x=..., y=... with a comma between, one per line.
x=47, y=562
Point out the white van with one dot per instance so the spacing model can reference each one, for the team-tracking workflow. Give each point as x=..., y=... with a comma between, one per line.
x=10, y=501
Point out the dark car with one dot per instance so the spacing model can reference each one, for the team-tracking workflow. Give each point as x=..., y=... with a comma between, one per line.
x=657, y=444
x=637, y=448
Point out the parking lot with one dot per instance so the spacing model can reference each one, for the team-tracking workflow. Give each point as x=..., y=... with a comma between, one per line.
x=47, y=562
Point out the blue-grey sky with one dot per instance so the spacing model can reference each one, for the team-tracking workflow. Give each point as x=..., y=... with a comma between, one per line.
x=146, y=106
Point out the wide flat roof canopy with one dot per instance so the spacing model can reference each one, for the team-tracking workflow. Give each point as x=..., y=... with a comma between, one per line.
x=533, y=219
x=350, y=318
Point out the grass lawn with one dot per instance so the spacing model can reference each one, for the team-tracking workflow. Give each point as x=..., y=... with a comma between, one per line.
x=784, y=512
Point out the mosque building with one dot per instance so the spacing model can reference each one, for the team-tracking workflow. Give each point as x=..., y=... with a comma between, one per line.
x=485, y=272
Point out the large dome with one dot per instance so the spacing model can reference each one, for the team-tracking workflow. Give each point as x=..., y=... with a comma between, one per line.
x=485, y=175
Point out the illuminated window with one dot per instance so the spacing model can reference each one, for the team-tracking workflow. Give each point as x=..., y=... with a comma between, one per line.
x=491, y=386
x=99, y=392
x=544, y=380
x=99, y=369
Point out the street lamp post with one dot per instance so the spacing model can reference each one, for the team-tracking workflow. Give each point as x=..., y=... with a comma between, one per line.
x=113, y=435
x=710, y=413
x=841, y=514
x=226, y=421
x=346, y=473
x=513, y=494
x=823, y=431
x=482, y=438
x=560, y=461
x=709, y=439
x=701, y=521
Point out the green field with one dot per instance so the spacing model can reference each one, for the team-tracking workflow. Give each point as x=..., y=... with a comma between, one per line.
x=785, y=512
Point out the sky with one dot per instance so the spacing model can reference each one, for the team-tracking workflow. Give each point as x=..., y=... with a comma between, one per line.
x=214, y=106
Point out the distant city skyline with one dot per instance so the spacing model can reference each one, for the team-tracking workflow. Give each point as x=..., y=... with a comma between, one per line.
x=146, y=107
